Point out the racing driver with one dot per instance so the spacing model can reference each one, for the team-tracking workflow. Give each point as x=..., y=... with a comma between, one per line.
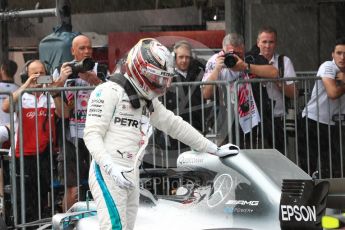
x=119, y=116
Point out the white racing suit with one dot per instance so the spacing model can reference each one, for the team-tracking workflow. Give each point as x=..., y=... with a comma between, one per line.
x=114, y=128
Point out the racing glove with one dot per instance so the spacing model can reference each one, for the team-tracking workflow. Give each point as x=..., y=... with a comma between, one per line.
x=224, y=150
x=117, y=173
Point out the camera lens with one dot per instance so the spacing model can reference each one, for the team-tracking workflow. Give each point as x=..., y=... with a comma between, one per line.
x=229, y=60
x=81, y=67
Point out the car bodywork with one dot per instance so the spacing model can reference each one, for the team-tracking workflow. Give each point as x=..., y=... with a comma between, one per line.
x=235, y=192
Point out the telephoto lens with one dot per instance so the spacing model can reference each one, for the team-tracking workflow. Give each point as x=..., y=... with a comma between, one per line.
x=82, y=66
x=86, y=64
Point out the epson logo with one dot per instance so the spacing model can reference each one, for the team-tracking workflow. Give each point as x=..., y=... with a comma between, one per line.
x=243, y=202
x=298, y=213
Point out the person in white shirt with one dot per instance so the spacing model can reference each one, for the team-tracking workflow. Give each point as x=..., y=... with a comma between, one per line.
x=8, y=69
x=216, y=70
x=267, y=43
x=77, y=101
x=324, y=115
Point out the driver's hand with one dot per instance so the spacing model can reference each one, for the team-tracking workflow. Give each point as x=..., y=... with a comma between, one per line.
x=117, y=173
x=226, y=150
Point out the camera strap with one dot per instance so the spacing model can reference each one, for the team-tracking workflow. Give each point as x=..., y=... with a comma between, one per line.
x=281, y=65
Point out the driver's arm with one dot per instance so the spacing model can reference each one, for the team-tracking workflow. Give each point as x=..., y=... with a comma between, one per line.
x=177, y=128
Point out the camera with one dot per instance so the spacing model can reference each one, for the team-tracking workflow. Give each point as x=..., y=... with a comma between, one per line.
x=82, y=66
x=45, y=79
x=230, y=60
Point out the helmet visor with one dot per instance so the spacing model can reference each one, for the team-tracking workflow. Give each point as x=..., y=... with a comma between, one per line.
x=159, y=78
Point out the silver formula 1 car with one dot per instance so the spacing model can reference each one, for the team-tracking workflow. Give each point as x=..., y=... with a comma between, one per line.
x=254, y=189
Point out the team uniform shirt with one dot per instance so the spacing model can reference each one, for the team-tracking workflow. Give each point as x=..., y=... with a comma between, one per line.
x=6, y=86
x=273, y=91
x=28, y=128
x=327, y=107
x=78, y=117
x=116, y=130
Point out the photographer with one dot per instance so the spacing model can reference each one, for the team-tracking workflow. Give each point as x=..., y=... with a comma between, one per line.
x=35, y=115
x=217, y=70
x=232, y=54
x=82, y=71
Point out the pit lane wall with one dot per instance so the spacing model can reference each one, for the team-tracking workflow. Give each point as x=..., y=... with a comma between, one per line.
x=218, y=119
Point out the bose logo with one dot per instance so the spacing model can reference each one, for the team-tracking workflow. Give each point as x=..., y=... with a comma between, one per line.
x=299, y=213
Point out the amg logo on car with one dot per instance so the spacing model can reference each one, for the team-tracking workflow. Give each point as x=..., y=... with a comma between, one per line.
x=243, y=202
x=298, y=213
x=126, y=122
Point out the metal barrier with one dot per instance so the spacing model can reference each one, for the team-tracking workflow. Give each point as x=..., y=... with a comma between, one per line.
x=7, y=193
x=305, y=88
x=224, y=126
x=34, y=174
x=217, y=119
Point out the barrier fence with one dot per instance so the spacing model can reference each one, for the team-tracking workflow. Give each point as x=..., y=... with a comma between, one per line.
x=217, y=118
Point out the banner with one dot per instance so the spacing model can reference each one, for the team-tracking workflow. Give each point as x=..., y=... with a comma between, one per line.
x=248, y=113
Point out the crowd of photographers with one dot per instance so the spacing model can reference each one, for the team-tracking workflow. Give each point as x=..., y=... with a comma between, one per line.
x=320, y=124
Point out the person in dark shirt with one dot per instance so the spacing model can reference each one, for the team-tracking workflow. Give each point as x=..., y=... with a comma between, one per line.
x=188, y=69
x=184, y=100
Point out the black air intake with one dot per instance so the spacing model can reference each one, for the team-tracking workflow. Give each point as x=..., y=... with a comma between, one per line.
x=302, y=204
